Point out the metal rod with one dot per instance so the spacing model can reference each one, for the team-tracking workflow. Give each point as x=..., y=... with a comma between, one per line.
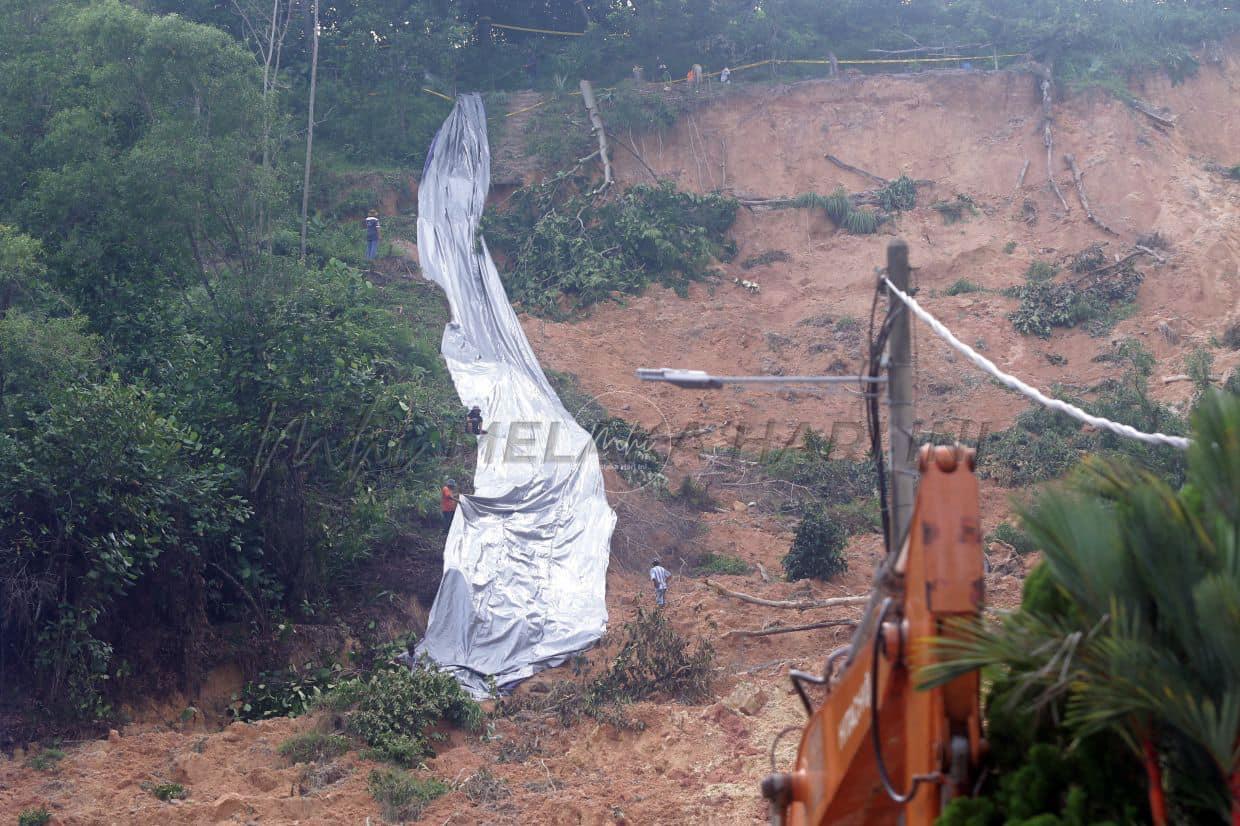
x=701, y=380
x=900, y=393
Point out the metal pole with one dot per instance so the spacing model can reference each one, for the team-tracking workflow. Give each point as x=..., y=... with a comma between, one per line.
x=900, y=400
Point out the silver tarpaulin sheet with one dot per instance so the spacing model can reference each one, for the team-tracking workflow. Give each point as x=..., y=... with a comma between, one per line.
x=526, y=557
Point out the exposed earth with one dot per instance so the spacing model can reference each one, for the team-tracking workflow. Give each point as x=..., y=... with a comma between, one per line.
x=966, y=132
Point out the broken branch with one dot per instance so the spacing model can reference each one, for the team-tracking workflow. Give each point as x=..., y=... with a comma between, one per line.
x=1047, y=138
x=857, y=171
x=790, y=629
x=800, y=605
x=1080, y=193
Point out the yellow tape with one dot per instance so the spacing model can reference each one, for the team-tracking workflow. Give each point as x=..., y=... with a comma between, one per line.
x=437, y=94
x=527, y=109
x=536, y=31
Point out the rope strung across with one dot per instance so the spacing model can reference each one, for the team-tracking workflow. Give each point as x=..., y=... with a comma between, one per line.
x=1019, y=386
x=535, y=31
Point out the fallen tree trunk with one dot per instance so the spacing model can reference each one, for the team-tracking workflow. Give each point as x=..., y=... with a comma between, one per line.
x=1151, y=112
x=800, y=605
x=596, y=122
x=1047, y=138
x=790, y=629
x=1077, y=179
x=857, y=171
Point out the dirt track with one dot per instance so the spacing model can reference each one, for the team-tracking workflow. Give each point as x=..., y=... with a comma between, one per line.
x=969, y=133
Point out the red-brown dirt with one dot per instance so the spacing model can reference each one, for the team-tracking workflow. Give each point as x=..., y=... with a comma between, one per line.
x=968, y=132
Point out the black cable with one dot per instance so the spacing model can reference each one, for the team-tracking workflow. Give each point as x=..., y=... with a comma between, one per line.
x=874, y=366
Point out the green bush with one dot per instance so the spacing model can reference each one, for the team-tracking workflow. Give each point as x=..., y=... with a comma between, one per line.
x=695, y=495
x=46, y=759
x=313, y=746
x=723, y=564
x=764, y=258
x=1234, y=172
x=34, y=817
x=862, y=222
x=583, y=249
x=1091, y=295
x=962, y=286
x=394, y=708
x=169, y=791
x=401, y=796
x=1231, y=336
x=818, y=549
x=898, y=195
x=956, y=209
x=1009, y=534
x=290, y=692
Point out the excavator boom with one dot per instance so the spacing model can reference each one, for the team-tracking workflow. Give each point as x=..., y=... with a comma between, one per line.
x=877, y=750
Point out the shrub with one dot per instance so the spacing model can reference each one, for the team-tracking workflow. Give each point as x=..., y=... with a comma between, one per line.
x=583, y=249
x=287, y=693
x=1009, y=248
x=764, y=258
x=1231, y=336
x=393, y=709
x=723, y=564
x=1009, y=534
x=46, y=760
x=862, y=222
x=695, y=495
x=963, y=286
x=1046, y=303
x=900, y=194
x=313, y=746
x=39, y=816
x=401, y=796
x=483, y=787
x=818, y=549
x=956, y=209
x=169, y=791
x=1234, y=172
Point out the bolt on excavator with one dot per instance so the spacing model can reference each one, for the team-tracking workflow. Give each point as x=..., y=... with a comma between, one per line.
x=876, y=750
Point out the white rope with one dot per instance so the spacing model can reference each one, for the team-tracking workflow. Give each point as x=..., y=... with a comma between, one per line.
x=1032, y=392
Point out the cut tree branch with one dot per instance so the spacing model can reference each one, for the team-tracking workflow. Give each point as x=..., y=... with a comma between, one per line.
x=790, y=629
x=1080, y=193
x=800, y=605
x=857, y=171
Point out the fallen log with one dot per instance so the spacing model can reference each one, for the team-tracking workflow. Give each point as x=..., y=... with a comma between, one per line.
x=790, y=629
x=1151, y=253
x=1047, y=138
x=1186, y=377
x=596, y=122
x=800, y=605
x=1020, y=179
x=858, y=171
x=1080, y=193
x=1161, y=117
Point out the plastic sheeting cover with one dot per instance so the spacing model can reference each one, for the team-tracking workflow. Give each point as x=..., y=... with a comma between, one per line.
x=526, y=557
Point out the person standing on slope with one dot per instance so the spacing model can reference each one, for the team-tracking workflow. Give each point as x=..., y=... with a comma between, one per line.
x=659, y=576
x=372, y=236
x=449, y=499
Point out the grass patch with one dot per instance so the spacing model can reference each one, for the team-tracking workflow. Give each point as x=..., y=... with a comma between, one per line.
x=955, y=210
x=401, y=796
x=313, y=746
x=1009, y=534
x=764, y=258
x=898, y=195
x=963, y=286
x=46, y=760
x=37, y=816
x=168, y=791
x=723, y=564
x=1095, y=292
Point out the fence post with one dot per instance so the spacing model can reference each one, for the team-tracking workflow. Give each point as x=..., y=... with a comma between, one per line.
x=900, y=400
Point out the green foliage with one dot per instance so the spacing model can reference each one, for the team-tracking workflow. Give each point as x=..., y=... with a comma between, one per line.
x=1041, y=445
x=573, y=251
x=169, y=791
x=829, y=481
x=559, y=132
x=955, y=210
x=46, y=760
x=1234, y=172
x=723, y=564
x=629, y=449
x=1009, y=534
x=1089, y=296
x=1009, y=248
x=817, y=551
x=764, y=258
x=1231, y=336
x=839, y=209
x=36, y=816
x=655, y=660
x=861, y=222
x=898, y=195
x=394, y=708
x=313, y=746
x=963, y=286
x=695, y=495
x=1199, y=365
x=289, y=692
x=484, y=788
x=401, y=796
x=1129, y=650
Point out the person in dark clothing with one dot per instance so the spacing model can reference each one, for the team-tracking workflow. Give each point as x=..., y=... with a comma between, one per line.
x=372, y=236
x=473, y=421
x=449, y=498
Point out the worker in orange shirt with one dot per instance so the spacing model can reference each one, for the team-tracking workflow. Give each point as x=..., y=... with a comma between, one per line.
x=449, y=498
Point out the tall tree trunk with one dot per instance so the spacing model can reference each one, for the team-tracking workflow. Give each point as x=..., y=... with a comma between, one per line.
x=1153, y=776
x=305, y=187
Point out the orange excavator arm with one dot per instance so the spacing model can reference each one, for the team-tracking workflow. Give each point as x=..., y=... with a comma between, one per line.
x=878, y=751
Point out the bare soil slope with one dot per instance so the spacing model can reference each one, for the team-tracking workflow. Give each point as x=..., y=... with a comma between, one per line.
x=970, y=133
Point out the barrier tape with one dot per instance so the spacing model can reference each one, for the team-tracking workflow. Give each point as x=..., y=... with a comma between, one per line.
x=535, y=31
x=437, y=94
